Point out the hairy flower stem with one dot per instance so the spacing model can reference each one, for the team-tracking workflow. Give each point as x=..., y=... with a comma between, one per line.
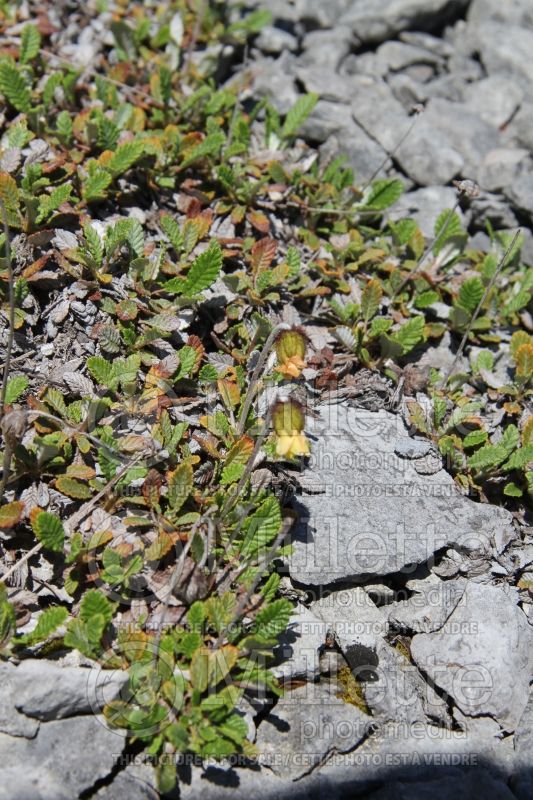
x=11, y=300
x=490, y=284
x=233, y=497
x=252, y=388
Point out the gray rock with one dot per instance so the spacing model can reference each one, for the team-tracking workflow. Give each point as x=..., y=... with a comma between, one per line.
x=495, y=99
x=494, y=207
x=482, y=656
x=504, y=50
x=513, y=12
x=392, y=687
x=375, y=514
x=377, y=20
x=428, y=156
x=11, y=721
x=431, y=43
x=375, y=109
x=521, y=126
x=425, y=205
x=298, y=652
x=363, y=154
x=406, y=447
x=326, y=83
x=447, y=87
x=134, y=782
x=273, y=40
x=273, y=79
x=315, y=13
x=470, y=786
x=428, y=609
x=45, y=690
x=399, y=55
x=407, y=91
x=66, y=758
x=325, y=48
x=467, y=133
x=502, y=168
x=324, y=120
x=305, y=726
x=520, y=193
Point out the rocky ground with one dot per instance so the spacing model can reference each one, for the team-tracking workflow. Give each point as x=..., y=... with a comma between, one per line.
x=402, y=584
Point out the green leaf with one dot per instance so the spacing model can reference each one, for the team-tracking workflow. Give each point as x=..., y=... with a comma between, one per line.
x=470, y=294
x=370, y=300
x=513, y=490
x=204, y=271
x=487, y=457
x=384, y=193
x=474, y=438
x=273, y=619
x=94, y=244
x=173, y=232
x=410, y=334
x=210, y=146
x=187, y=356
x=124, y=157
x=101, y=370
x=298, y=114
x=262, y=527
x=14, y=88
x=15, y=387
x=30, y=43
x=520, y=458
x=196, y=615
x=208, y=373
x=49, y=530
x=426, y=299
x=231, y=473
x=293, y=260
x=95, y=603
x=47, y=623
x=180, y=484
x=95, y=186
x=73, y=488
x=51, y=202
x=447, y=226
x=269, y=589
x=199, y=669
x=64, y=127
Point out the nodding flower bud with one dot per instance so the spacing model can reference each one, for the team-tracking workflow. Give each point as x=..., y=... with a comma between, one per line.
x=288, y=419
x=290, y=349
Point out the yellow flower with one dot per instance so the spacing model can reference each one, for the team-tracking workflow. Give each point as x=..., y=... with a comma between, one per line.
x=292, y=444
x=290, y=350
x=289, y=420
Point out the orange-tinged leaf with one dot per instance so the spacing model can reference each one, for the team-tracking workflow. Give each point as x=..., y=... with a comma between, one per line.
x=196, y=343
x=151, y=488
x=259, y=221
x=11, y=514
x=527, y=431
x=161, y=546
x=263, y=253
x=73, y=488
x=81, y=471
x=229, y=391
x=524, y=360
x=240, y=452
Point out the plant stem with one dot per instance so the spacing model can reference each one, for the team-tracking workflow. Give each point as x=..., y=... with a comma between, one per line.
x=11, y=291
x=250, y=394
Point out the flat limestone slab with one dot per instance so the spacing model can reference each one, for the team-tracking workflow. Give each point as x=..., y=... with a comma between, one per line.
x=365, y=511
